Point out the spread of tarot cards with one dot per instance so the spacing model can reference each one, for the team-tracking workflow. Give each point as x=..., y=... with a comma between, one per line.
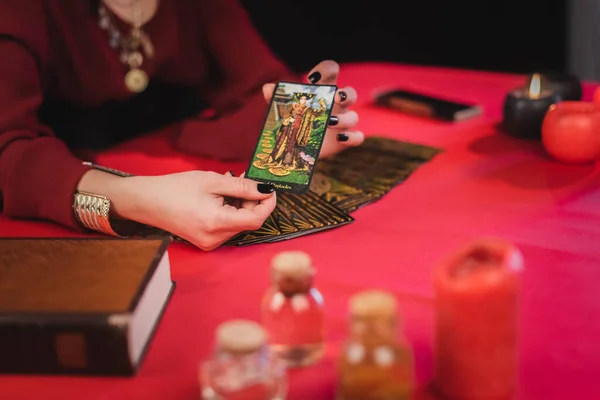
x=340, y=185
x=290, y=142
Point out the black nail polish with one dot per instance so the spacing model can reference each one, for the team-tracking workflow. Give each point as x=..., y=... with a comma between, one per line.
x=343, y=96
x=315, y=77
x=342, y=137
x=333, y=121
x=265, y=188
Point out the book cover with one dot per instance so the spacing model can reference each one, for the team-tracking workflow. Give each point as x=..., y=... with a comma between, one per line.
x=79, y=305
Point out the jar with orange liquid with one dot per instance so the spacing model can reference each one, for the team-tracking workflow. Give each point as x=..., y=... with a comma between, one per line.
x=292, y=311
x=376, y=362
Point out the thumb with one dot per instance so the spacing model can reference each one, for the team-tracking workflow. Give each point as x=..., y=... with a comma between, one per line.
x=241, y=188
x=268, y=90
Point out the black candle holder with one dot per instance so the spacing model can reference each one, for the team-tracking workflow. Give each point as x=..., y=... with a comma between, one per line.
x=524, y=111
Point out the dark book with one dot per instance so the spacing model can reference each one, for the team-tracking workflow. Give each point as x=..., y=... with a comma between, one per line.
x=80, y=306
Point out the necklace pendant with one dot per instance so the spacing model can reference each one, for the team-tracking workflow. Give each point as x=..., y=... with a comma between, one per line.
x=147, y=45
x=136, y=80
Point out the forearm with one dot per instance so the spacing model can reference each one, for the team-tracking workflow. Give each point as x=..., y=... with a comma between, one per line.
x=117, y=189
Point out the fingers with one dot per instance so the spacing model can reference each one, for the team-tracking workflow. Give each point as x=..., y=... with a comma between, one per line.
x=247, y=203
x=338, y=141
x=230, y=201
x=216, y=243
x=240, y=188
x=326, y=72
x=268, y=90
x=344, y=121
x=350, y=139
x=346, y=97
x=243, y=219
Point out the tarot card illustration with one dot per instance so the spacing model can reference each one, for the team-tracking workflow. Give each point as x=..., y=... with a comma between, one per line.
x=288, y=148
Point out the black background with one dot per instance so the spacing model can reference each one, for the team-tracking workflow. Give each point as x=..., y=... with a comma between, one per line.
x=498, y=35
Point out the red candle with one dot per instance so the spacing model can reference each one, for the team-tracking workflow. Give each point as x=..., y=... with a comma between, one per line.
x=477, y=292
x=571, y=131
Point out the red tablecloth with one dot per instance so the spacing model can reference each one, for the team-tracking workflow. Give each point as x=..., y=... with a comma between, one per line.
x=484, y=184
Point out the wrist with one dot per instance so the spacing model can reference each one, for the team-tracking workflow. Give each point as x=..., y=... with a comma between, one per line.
x=119, y=190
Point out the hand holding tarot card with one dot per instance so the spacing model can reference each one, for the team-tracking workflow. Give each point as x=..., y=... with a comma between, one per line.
x=314, y=198
x=289, y=145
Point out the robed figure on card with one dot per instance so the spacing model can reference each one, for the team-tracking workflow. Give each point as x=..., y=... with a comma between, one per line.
x=294, y=132
x=288, y=148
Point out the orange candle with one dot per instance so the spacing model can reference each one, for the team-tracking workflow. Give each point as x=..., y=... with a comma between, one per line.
x=571, y=131
x=477, y=293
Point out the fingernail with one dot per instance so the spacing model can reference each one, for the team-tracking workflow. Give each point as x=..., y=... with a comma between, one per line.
x=265, y=188
x=342, y=137
x=333, y=121
x=343, y=96
x=315, y=77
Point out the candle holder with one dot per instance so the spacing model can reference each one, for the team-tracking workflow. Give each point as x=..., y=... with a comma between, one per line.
x=566, y=86
x=525, y=108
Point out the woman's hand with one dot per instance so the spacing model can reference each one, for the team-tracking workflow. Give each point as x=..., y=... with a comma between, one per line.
x=190, y=205
x=341, y=133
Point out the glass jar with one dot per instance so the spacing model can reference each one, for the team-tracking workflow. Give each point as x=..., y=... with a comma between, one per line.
x=292, y=311
x=242, y=366
x=375, y=363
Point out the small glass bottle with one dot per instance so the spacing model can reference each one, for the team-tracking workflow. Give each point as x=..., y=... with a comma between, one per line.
x=292, y=311
x=242, y=367
x=375, y=364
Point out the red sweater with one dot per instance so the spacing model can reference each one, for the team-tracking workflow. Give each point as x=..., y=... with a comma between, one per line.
x=53, y=51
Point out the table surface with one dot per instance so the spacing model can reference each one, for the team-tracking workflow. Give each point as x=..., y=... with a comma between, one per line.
x=483, y=184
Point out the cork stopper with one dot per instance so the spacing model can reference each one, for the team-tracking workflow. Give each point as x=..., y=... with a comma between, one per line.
x=240, y=336
x=373, y=303
x=292, y=264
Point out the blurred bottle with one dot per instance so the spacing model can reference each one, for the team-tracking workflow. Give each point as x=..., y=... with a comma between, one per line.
x=292, y=311
x=242, y=366
x=375, y=364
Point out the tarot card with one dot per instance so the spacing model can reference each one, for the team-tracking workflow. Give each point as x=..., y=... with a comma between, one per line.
x=330, y=189
x=345, y=197
x=334, y=217
x=299, y=221
x=375, y=167
x=330, y=214
x=308, y=213
x=405, y=149
x=317, y=221
x=364, y=170
x=284, y=224
x=290, y=142
x=289, y=221
x=268, y=229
